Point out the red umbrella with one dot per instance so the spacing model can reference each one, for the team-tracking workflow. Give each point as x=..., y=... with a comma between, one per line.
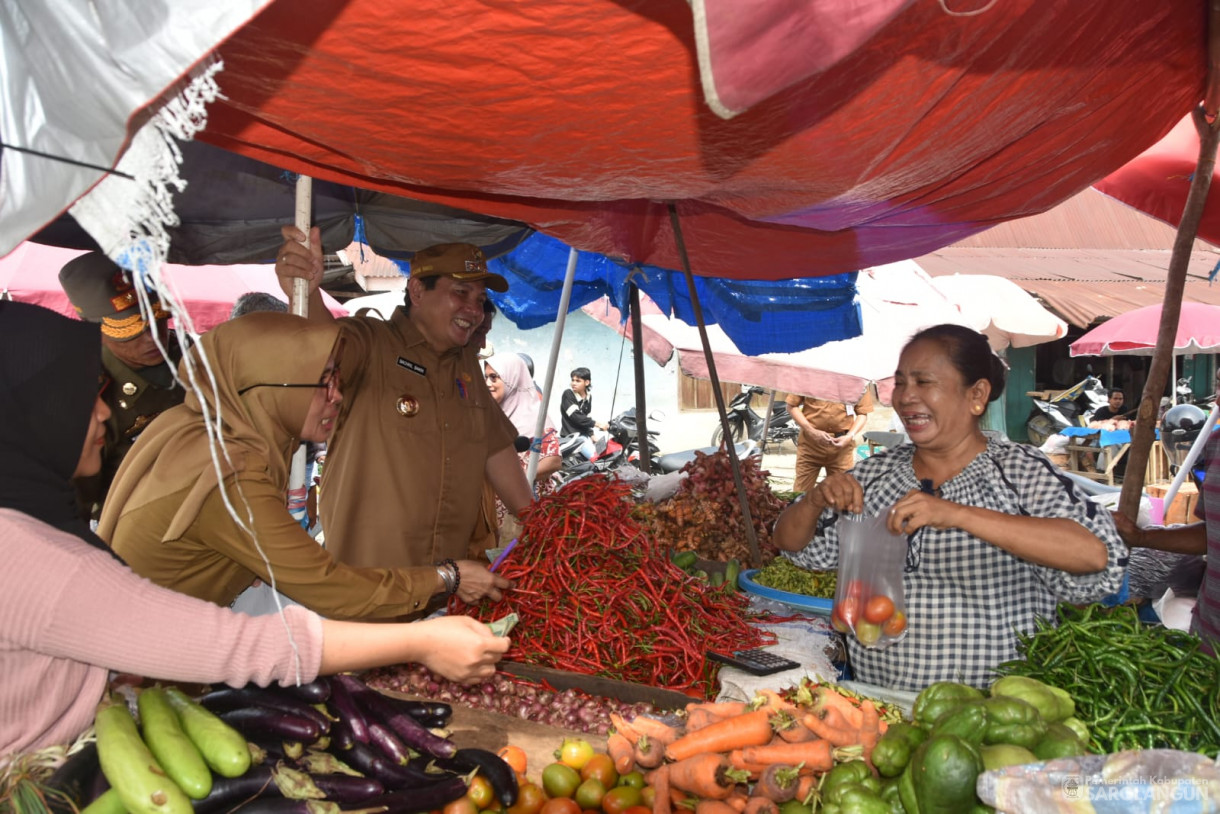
x=1134, y=333
x=1157, y=180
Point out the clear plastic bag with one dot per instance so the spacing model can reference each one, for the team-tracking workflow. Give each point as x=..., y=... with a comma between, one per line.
x=869, y=601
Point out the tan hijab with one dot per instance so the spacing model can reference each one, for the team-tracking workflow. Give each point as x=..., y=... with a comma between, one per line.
x=260, y=426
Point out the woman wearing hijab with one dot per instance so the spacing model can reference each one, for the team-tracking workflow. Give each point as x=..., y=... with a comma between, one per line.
x=513, y=388
x=71, y=611
x=276, y=384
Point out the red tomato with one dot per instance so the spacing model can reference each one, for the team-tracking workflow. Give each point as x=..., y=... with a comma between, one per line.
x=600, y=767
x=481, y=792
x=878, y=609
x=858, y=589
x=559, y=805
x=848, y=609
x=531, y=799
x=638, y=810
x=462, y=805
x=515, y=757
x=837, y=622
x=895, y=625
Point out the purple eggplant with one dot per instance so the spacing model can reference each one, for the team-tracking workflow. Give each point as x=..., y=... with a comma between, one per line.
x=343, y=788
x=312, y=692
x=369, y=761
x=389, y=743
x=432, y=714
x=413, y=733
x=232, y=698
x=346, y=709
x=421, y=798
x=227, y=792
x=265, y=724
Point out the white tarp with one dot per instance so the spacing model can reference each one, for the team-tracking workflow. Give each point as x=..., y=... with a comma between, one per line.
x=76, y=79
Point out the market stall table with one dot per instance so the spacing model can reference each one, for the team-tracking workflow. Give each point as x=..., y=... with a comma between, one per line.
x=1095, y=441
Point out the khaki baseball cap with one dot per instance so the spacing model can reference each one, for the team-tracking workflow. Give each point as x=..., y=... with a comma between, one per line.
x=461, y=261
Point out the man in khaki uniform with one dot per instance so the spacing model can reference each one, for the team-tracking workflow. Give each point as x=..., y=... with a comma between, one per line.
x=418, y=430
x=828, y=436
x=138, y=382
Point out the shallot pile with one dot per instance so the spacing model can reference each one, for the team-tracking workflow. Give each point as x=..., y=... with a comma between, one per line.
x=595, y=594
x=509, y=695
x=705, y=515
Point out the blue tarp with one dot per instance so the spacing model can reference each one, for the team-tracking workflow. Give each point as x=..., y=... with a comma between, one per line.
x=783, y=316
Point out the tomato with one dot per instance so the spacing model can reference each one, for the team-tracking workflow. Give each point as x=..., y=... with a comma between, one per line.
x=867, y=632
x=878, y=609
x=481, y=792
x=530, y=799
x=514, y=756
x=648, y=795
x=895, y=625
x=849, y=609
x=560, y=780
x=836, y=621
x=462, y=805
x=560, y=805
x=589, y=794
x=638, y=810
x=621, y=798
x=632, y=778
x=574, y=752
x=601, y=767
x=857, y=589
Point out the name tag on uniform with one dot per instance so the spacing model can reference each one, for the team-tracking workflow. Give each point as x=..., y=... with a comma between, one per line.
x=414, y=367
x=851, y=409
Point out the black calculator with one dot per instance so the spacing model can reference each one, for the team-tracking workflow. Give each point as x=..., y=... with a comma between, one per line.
x=757, y=662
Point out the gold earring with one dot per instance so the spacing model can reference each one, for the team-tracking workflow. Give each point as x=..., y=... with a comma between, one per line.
x=978, y=410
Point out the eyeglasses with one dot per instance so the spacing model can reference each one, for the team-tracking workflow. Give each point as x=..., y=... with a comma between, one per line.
x=330, y=380
x=492, y=377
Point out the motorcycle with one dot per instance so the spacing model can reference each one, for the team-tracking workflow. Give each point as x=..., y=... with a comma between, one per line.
x=620, y=448
x=745, y=423
x=1051, y=416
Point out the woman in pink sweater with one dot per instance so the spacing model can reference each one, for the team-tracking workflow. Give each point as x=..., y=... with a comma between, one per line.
x=71, y=611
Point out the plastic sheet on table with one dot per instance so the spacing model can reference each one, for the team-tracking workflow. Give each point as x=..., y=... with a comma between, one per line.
x=808, y=641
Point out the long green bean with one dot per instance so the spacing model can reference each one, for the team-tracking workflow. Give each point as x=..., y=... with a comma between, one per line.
x=1136, y=686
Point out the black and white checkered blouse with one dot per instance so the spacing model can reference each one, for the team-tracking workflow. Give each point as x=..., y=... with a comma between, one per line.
x=965, y=597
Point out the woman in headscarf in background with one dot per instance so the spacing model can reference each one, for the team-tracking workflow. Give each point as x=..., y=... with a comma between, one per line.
x=512, y=386
x=276, y=384
x=71, y=611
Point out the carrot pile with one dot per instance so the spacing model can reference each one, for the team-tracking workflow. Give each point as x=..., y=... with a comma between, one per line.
x=738, y=758
x=595, y=594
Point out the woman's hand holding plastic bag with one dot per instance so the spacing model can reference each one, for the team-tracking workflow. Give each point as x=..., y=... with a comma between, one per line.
x=870, y=602
x=918, y=509
x=840, y=492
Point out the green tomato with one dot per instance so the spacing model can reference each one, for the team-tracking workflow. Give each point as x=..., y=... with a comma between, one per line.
x=634, y=779
x=560, y=780
x=867, y=633
x=589, y=794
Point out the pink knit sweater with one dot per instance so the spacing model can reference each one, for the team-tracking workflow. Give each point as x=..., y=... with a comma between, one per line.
x=70, y=613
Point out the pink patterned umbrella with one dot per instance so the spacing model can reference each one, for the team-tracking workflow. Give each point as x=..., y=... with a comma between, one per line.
x=1134, y=333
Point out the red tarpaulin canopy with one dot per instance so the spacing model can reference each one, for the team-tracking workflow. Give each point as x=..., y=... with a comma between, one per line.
x=584, y=119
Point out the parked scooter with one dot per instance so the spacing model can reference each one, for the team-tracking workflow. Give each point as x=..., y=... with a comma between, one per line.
x=1051, y=416
x=745, y=423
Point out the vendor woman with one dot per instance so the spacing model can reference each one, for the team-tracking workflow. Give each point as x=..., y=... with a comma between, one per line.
x=71, y=611
x=995, y=535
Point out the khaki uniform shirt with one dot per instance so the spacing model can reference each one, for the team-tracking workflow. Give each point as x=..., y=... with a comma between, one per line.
x=215, y=560
x=134, y=402
x=403, y=477
x=830, y=416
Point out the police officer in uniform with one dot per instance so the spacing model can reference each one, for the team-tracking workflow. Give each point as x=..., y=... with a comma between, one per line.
x=137, y=381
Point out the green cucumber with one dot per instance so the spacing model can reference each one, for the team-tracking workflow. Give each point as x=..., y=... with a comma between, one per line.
x=108, y=802
x=132, y=771
x=685, y=559
x=222, y=746
x=176, y=753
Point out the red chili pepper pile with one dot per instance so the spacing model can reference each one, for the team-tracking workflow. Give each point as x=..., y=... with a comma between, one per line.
x=596, y=595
